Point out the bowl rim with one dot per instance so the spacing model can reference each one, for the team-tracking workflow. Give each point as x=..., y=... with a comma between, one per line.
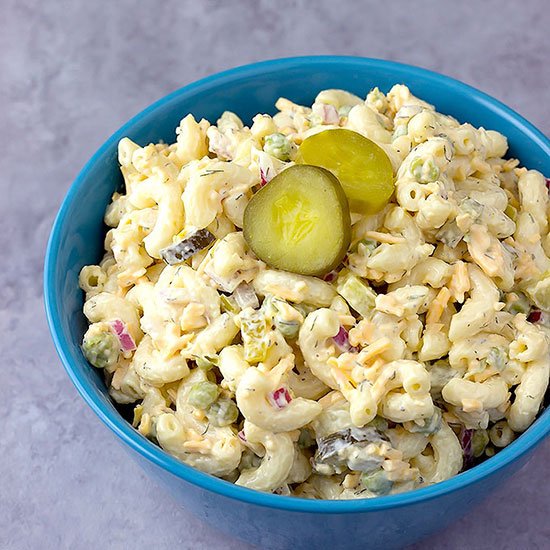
x=153, y=453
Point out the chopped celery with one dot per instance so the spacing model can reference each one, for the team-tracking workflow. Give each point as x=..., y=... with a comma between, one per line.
x=497, y=358
x=517, y=302
x=278, y=146
x=229, y=304
x=356, y=293
x=539, y=292
x=424, y=171
x=206, y=362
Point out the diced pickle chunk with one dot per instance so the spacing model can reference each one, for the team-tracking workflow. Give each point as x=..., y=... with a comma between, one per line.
x=179, y=252
x=361, y=166
x=300, y=221
x=254, y=332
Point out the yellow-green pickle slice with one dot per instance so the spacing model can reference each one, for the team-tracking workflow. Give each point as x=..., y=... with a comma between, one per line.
x=361, y=166
x=299, y=221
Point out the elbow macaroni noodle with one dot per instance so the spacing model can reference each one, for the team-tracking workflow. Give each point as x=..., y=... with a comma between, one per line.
x=292, y=384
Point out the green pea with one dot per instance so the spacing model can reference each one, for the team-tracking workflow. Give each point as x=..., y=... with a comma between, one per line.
x=222, y=412
x=101, y=350
x=289, y=329
x=277, y=145
x=480, y=439
x=203, y=394
x=377, y=482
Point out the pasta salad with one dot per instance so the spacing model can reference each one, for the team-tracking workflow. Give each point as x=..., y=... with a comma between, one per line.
x=339, y=301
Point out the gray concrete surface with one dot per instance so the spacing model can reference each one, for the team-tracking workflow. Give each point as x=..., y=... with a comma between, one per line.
x=70, y=73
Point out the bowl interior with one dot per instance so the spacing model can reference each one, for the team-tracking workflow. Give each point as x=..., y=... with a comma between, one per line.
x=78, y=233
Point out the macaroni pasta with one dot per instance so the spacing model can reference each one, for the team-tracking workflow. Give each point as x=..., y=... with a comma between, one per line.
x=425, y=351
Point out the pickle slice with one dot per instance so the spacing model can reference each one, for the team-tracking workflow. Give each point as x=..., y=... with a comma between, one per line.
x=361, y=166
x=299, y=221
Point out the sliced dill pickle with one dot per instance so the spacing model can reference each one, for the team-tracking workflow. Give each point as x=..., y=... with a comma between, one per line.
x=361, y=166
x=299, y=221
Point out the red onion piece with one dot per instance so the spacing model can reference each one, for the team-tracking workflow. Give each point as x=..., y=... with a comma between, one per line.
x=279, y=398
x=535, y=316
x=328, y=113
x=263, y=177
x=331, y=276
x=126, y=341
x=241, y=436
x=342, y=341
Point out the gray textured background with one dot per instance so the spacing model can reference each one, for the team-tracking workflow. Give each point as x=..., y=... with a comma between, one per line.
x=70, y=74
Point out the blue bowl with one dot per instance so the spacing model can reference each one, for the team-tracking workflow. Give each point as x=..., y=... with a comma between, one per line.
x=273, y=521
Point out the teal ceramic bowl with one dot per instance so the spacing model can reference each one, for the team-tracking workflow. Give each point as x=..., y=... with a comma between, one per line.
x=273, y=521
